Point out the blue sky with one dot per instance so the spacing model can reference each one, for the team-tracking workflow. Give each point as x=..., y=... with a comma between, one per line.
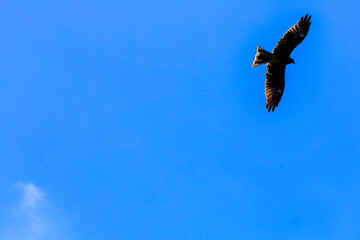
x=145, y=120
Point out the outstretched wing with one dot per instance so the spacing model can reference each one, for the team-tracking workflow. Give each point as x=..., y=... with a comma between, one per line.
x=274, y=85
x=293, y=37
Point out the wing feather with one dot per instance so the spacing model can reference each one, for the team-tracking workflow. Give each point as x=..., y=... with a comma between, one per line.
x=274, y=85
x=293, y=37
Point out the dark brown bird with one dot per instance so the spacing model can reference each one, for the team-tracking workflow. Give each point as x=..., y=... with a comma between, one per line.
x=278, y=59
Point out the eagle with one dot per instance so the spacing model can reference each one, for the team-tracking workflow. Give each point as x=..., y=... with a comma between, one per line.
x=278, y=59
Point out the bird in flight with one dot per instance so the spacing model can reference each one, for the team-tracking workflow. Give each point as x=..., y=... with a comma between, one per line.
x=278, y=59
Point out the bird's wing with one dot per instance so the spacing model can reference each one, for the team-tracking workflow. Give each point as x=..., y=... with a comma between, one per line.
x=293, y=37
x=274, y=85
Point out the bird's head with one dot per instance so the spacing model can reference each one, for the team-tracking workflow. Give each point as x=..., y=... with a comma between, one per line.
x=291, y=61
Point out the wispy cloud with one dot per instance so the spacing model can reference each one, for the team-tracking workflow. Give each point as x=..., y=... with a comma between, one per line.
x=32, y=218
x=32, y=195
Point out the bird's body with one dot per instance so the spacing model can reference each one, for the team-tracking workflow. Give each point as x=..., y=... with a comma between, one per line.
x=278, y=59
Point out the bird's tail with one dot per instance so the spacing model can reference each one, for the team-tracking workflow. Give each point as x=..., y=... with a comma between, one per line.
x=261, y=57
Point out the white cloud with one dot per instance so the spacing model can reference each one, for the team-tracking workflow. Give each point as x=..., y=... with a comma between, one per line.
x=33, y=218
x=32, y=195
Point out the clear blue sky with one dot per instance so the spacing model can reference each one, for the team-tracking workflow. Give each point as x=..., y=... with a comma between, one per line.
x=145, y=120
